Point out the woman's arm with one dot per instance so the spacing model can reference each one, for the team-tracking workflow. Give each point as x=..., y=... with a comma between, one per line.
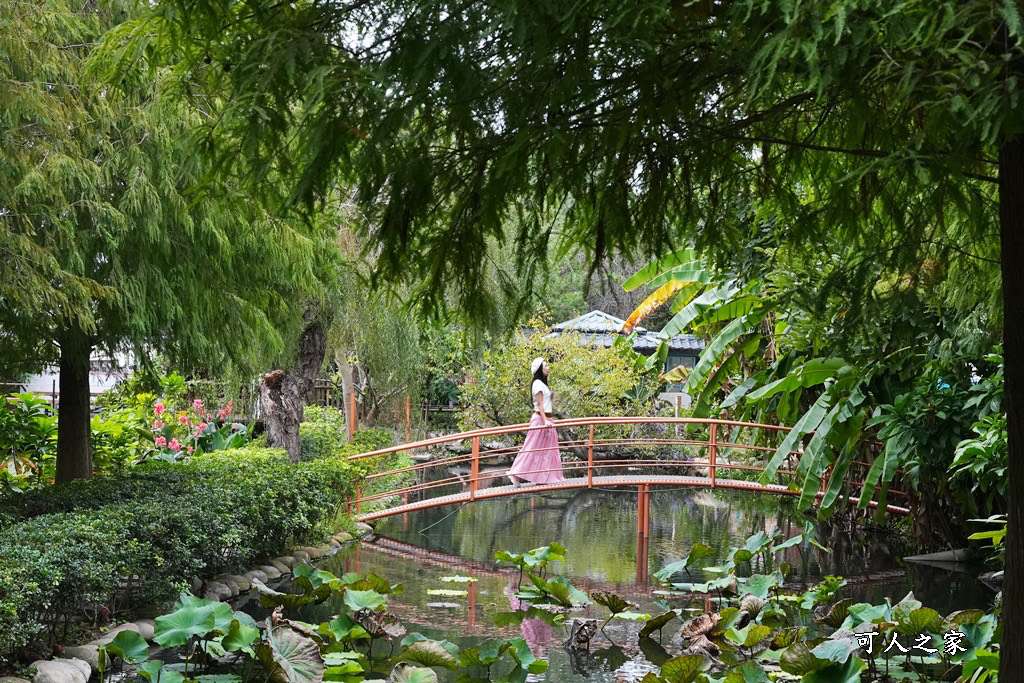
x=539, y=398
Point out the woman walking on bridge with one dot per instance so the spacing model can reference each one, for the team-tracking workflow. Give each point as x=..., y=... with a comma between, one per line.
x=539, y=461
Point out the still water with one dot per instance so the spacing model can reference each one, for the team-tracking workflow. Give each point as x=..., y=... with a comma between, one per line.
x=598, y=529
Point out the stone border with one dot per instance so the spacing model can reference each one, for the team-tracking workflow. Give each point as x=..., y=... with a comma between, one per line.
x=80, y=662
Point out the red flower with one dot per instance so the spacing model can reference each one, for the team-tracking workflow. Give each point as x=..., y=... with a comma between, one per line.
x=159, y=408
x=174, y=445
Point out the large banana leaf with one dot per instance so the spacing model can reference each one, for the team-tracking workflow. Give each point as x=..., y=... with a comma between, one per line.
x=808, y=422
x=702, y=406
x=685, y=296
x=722, y=342
x=652, y=303
x=811, y=373
x=693, y=273
x=709, y=299
x=652, y=270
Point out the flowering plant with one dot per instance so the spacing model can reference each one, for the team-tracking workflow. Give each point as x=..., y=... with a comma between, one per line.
x=194, y=430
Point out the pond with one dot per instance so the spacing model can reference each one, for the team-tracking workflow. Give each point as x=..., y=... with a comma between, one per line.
x=599, y=529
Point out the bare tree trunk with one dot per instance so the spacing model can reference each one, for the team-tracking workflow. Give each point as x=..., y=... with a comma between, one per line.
x=1011, y=232
x=283, y=393
x=74, y=440
x=347, y=385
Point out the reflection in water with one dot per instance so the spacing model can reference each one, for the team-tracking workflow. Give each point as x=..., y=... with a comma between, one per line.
x=605, y=521
x=599, y=528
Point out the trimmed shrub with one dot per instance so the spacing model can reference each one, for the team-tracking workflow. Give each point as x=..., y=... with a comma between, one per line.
x=322, y=431
x=134, y=540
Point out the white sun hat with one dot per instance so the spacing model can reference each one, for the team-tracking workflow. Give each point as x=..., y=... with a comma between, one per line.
x=535, y=365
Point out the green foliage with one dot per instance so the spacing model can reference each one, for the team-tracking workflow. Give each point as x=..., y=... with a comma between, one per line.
x=585, y=380
x=132, y=540
x=322, y=432
x=28, y=434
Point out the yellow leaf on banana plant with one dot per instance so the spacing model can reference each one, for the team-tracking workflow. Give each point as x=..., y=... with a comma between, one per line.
x=676, y=374
x=651, y=303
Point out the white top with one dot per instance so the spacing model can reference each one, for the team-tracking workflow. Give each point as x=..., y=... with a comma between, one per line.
x=539, y=386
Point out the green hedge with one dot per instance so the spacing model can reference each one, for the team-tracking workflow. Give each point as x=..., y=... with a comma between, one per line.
x=135, y=539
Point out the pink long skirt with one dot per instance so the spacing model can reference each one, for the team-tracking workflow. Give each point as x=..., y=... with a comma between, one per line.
x=539, y=460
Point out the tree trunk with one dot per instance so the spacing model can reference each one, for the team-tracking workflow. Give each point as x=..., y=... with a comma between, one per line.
x=1011, y=233
x=283, y=393
x=74, y=444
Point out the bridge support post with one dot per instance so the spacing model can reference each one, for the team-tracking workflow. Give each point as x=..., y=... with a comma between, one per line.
x=474, y=469
x=713, y=453
x=643, y=523
x=590, y=459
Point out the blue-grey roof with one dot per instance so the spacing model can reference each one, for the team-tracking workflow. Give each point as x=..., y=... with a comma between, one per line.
x=598, y=327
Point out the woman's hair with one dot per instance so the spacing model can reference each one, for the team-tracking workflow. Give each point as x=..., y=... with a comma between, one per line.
x=540, y=375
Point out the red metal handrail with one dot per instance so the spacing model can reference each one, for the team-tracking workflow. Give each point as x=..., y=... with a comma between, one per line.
x=712, y=465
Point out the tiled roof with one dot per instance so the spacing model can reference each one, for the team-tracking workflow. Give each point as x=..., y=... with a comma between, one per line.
x=598, y=327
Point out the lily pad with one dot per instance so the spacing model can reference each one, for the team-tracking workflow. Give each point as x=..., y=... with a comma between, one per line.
x=446, y=591
x=459, y=579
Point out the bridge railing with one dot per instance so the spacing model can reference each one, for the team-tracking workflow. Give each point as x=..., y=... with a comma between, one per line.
x=605, y=448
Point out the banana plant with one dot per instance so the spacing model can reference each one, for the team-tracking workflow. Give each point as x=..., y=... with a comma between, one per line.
x=741, y=371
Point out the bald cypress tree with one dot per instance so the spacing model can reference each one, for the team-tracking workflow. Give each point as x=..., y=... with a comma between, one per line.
x=108, y=245
x=892, y=125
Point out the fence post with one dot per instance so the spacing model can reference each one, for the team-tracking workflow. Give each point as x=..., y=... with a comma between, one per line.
x=713, y=450
x=474, y=470
x=590, y=458
x=359, y=502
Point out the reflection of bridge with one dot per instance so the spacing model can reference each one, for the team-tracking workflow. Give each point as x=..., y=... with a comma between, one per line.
x=595, y=448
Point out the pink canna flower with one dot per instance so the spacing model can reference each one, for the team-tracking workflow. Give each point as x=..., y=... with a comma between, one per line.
x=190, y=450
x=158, y=424
x=159, y=408
x=160, y=441
x=202, y=426
x=183, y=418
x=197, y=405
x=174, y=445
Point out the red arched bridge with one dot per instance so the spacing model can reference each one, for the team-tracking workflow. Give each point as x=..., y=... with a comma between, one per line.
x=614, y=452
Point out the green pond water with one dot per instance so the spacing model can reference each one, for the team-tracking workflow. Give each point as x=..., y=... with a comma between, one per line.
x=598, y=529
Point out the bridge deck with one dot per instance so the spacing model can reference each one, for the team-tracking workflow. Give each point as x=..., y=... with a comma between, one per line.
x=598, y=481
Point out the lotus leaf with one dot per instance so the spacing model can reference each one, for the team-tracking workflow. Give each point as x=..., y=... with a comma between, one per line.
x=219, y=678
x=920, y=620
x=446, y=591
x=684, y=669
x=750, y=672
x=289, y=657
x=798, y=659
x=178, y=627
x=835, y=615
x=698, y=551
x=838, y=648
x=521, y=652
x=363, y=600
x=847, y=672
x=129, y=646
x=240, y=637
x=416, y=637
x=379, y=623
x=404, y=673
x=429, y=653
x=760, y=585
x=271, y=598
x=613, y=602
x=155, y=671
x=700, y=625
x=657, y=623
